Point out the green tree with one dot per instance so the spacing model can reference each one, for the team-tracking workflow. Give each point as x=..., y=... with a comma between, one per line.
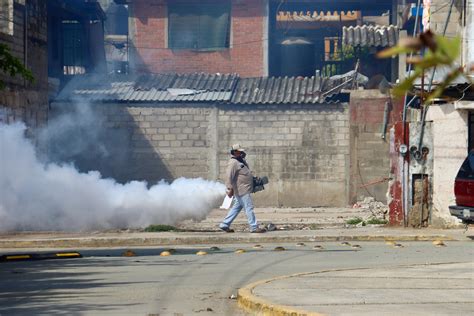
x=12, y=66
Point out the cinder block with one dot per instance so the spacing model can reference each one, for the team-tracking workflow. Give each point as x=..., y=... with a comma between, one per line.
x=170, y=137
x=157, y=137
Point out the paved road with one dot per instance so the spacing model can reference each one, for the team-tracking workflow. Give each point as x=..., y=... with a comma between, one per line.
x=104, y=282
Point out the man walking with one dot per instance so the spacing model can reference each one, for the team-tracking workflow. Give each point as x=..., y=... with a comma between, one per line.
x=239, y=183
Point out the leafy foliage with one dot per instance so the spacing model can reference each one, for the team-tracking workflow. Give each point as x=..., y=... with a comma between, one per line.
x=12, y=66
x=439, y=51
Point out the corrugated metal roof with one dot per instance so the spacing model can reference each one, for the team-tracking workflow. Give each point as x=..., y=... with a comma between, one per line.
x=197, y=87
x=370, y=35
x=439, y=76
x=206, y=88
x=278, y=90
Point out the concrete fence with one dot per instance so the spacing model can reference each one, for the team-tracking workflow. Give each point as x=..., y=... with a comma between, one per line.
x=303, y=149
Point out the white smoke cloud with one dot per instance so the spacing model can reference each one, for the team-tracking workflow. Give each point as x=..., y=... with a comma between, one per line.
x=51, y=196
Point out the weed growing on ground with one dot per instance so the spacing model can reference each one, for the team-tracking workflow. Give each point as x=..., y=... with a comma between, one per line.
x=354, y=221
x=370, y=221
x=161, y=228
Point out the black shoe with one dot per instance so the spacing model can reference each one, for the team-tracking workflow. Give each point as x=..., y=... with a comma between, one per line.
x=259, y=231
x=227, y=229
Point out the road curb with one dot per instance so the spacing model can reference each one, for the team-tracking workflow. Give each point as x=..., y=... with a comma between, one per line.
x=259, y=306
x=99, y=242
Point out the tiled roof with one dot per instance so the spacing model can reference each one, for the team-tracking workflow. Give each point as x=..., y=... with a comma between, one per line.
x=370, y=35
x=200, y=87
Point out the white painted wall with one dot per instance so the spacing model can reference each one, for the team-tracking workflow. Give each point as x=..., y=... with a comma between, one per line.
x=450, y=142
x=468, y=36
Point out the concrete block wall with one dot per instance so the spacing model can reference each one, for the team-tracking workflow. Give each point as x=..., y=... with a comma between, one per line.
x=21, y=100
x=439, y=17
x=370, y=160
x=303, y=149
x=456, y=23
x=246, y=55
x=156, y=142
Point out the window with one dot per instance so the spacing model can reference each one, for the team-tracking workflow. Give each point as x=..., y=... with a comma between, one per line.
x=6, y=17
x=467, y=169
x=196, y=26
x=331, y=49
x=74, y=58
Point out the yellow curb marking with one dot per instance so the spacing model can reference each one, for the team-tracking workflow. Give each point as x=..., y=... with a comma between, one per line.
x=254, y=304
x=68, y=254
x=18, y=257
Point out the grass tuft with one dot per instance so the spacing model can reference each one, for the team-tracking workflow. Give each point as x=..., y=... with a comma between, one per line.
x=354, y=221
x=160, y=228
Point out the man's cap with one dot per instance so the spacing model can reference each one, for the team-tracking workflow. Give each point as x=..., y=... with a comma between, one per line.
x=237, y=147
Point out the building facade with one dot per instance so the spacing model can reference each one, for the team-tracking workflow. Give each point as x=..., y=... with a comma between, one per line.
x=254, y=38
x=438, y=137
x=23, y=28
x=199, y=36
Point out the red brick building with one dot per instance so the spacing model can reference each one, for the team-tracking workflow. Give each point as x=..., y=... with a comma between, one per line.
x=253, y=38
x=236, y=45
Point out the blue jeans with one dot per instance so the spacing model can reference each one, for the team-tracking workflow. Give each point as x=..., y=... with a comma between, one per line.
x=244, y=201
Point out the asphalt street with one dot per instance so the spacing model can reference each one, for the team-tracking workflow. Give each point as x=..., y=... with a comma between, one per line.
x=105, y=282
